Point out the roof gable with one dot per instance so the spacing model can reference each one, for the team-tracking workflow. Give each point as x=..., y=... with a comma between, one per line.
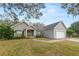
x=60, y=26
x=52, y=26
x=23, y=23
x=19, y=23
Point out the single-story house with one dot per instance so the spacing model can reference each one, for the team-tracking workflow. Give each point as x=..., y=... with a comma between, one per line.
x=22, y=29
x=56, y=30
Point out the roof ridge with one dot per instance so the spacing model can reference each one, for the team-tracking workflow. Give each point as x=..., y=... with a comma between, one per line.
x=54, y=23
x=50, y=26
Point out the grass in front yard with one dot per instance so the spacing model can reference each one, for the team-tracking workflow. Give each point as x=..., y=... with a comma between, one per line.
x=29, y=47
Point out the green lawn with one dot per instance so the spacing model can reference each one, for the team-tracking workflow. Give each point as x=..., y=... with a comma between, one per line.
x=29, y=47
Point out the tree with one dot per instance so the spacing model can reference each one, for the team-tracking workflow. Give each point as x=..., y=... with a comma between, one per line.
x=6, y=32
x=73, y=30
x=25, y=10
x=75, y=26
x=70, y=32
x=8, y=22
x=71, y=8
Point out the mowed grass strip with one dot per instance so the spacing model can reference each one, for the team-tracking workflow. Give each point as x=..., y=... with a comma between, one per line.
x=28, y=47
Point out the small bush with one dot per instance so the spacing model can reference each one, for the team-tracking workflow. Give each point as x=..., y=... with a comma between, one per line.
x=75, y=35
x=39, y=36
x=19, y=37
x=29, y=37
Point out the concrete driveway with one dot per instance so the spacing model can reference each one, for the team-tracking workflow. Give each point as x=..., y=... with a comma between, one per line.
x=48, y=41
x=73, y=39
x=52, y=41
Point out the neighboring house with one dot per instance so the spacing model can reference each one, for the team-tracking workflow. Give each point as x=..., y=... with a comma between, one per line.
x=56, y=30
x=22, y=29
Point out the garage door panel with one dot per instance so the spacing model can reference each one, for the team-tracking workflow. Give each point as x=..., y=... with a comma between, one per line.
x=60, y=34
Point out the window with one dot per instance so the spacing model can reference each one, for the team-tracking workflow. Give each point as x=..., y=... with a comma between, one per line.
x=19, y=31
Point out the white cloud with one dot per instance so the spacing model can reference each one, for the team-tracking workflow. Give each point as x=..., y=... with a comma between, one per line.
x=49, y=11
x=45, y=14
x=52, y=10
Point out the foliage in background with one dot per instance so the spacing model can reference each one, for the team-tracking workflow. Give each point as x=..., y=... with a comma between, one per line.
x=6, y=32
x=74, y=29
x=75, y=26
x=71, y=8
x=25, y=10
x=70, y=32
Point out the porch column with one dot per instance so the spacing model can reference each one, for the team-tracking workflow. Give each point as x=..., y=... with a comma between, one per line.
x=26, y=33
x=34, y=33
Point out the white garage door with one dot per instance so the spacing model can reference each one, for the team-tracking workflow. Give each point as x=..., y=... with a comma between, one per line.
x=60, y=34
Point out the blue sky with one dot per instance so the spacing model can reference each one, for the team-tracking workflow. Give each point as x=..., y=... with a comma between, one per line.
x=53, y=13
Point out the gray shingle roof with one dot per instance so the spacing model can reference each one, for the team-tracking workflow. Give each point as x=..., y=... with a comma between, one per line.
x=51, y=26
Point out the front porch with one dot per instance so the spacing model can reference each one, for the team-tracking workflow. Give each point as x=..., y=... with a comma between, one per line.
x=30, y=32
x=25, y=33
